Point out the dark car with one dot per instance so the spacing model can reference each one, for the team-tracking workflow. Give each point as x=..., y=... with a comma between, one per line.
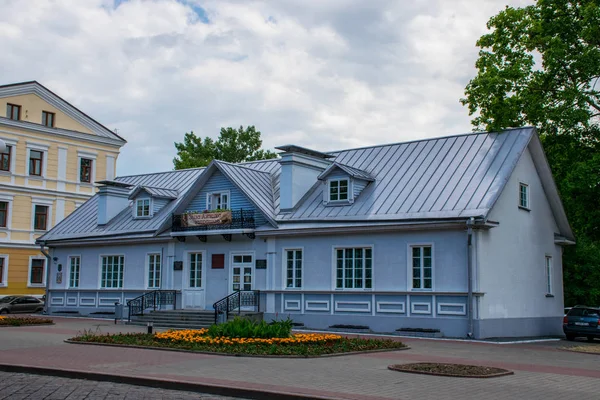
x=582, y=321
x=20, y=304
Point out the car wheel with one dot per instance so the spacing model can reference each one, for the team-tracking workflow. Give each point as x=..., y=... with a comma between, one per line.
x=570, y=337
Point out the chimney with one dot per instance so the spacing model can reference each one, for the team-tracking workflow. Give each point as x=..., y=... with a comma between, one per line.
x=112, y=199
x=300, y=168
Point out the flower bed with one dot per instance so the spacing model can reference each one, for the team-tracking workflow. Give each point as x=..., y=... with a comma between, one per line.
x=453, y=370
x=20, y=321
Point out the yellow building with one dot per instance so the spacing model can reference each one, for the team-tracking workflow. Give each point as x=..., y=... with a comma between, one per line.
x=54, y=154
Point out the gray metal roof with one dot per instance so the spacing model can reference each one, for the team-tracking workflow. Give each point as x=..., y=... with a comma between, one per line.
x=353, y=172
x=161, y=193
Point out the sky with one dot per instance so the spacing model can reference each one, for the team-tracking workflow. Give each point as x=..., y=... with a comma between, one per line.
x=323, y=74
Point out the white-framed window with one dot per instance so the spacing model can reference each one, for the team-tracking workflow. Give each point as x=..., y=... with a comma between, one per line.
x=421, y=267
x=354, y=268
x=548, y=267
x=37, y=268
x=86, y=161
x=523, y=195
x=4, y=213
x=74, y=271
x=111, y=274
x=293, y=268
x=41, y=213
x=5, y=159
x=339, y=189
x=195, y=270
x=217, y=201
x=3, y=270
x=142, y=208
x=154, y=270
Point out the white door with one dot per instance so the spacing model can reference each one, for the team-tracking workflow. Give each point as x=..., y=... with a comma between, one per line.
x=242, y=272
x=194, y=281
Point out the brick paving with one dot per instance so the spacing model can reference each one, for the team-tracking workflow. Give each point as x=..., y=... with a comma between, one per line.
x=16, y=386
x=542, y=371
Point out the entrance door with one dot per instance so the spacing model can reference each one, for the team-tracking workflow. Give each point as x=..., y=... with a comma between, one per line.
x=194, y=281
x=242, y=272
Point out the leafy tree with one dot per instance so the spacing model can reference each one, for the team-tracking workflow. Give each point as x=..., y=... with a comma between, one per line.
x=540, y=65
x=231, y=146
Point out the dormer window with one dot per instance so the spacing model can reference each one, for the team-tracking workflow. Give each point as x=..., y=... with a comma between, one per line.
x=142, y=208
x=217, y=201
x=338, y=189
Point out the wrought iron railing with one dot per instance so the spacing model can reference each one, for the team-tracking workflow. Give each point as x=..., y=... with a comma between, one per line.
x=152, y=300
x=240, y=219
x=237, y=300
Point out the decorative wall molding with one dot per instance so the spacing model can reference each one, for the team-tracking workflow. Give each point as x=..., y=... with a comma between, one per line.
x=396, y=307
x=317, y=305
x=451, y=309
x=355, y=306
x=292, y=305
x=420, y=308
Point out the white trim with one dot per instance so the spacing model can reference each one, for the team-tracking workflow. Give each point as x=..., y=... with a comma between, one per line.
x=415, y=311
x=13, y=157
x=147, y=269
x=308, y=306
x=284, y=268
x=548, y=274
x=44, y=150
x=87, y=302
x=110, y=167
x=100, y=256
x=253, y=272
x=69, y=266
x=57, y=301
x=349, y=199
x=8, y=199
x=83, y=155
x=135, y=208
x=37, y=201
x=37, y=285
x=220, y=193
x=400, y=310
x=72, y=301
x=296, y=307
x=356, y=303
x=527, y=206
x=334, y=268
x=185, y=285
x=108, y=301
x=462, y=306
x=4, y=282
x=409, y=266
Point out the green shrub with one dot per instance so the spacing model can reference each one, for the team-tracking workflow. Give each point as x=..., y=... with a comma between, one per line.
x=247, y=328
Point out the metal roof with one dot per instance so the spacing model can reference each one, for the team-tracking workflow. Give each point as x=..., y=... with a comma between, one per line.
x=160, y=193
x=353, y=172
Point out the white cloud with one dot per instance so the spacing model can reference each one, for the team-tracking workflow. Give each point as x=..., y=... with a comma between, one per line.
x=324, y=74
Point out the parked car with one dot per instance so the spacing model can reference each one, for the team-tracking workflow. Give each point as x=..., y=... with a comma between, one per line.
x=582, y=321
x=20, y=304
x=567, y=309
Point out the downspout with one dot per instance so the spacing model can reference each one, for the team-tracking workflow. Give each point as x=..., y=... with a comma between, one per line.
x=48, y=266
x=470, y=224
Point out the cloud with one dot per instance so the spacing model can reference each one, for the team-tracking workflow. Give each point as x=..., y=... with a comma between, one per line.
x=323, y=74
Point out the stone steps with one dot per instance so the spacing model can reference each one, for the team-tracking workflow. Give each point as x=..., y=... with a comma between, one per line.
x=184, y=319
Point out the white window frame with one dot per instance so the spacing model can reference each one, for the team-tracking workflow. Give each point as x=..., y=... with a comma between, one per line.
x=338, y=200
x=209, y=200
x=251, y=253
x=135, y=208
x=8, y=199
x=44, y=272
x=527, y=205
x=43, y=148
x=101, y=257
x=13, y=156
x=334, y=268
x=4, y=282
x=38, y=201
x=70, y=271
x=285, y=268
x=409, y=264
x=89, y=156
x=160, y=269
x=203, y=266
x=548, y=273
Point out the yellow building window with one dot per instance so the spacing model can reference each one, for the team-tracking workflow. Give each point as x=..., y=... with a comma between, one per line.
x=48, y=118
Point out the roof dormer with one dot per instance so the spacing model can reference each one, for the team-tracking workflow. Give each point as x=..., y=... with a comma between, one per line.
x=148, y=201
x=343, y=183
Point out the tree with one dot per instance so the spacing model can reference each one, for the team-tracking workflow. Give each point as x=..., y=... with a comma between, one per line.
x=231, y=146
x=540, y=65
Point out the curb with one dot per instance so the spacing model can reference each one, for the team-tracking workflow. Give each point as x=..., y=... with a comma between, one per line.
x=398, y=368
x=580, y=352
x=211, y=353
x=167, y=384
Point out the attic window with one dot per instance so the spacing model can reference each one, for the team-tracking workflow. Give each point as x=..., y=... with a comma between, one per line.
x=217, y=201
x=523, y=196
x=142, y=207
x=338, y=189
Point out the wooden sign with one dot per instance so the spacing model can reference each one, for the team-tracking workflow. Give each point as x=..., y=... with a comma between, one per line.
x=218, y=261
x=177, y=265
x=261, y=264
x=207, y=218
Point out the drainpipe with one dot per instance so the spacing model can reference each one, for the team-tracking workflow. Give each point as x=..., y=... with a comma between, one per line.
x=470, y=224
x=48, y=266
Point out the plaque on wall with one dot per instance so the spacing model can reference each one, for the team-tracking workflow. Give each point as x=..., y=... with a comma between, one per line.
x=261, y=264
x=218, y=261
x=59, y=277
x=177, y=265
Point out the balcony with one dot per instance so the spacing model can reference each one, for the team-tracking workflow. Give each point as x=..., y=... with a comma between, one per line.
x=214, y=221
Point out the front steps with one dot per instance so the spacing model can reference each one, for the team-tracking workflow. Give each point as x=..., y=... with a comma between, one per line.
x=184, y=319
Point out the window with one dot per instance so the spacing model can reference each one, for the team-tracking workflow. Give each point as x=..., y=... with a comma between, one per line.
x=294, y=268
x=338, y=189
x=3, y=214
x=422, y=268
x=36, y=158
x=36, y=275
x=195, y=270
x=112, y=272
x=3, y=268
x=13, y=111
x=354, y=268
x=40, y=219
x=549, y=275
x=74, y=267
x=523, y=196
x=217, y=201
x=153, y=271
x=48, y=118
x=5, y=159
x=85, y=170
x=142, y=207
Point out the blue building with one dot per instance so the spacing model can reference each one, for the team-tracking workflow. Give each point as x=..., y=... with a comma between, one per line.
x=462, y=233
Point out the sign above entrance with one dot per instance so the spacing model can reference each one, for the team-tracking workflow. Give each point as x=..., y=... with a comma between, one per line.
x=261, y=264
x=207, y=218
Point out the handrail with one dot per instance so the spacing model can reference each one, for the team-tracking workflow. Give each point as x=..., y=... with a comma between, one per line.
x=237, y=299
x=151, y=300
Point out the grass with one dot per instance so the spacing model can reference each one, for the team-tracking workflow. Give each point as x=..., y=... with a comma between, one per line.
x=21, y=321
x=455, y=370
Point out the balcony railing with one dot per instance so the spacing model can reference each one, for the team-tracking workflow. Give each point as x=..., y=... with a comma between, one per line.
x=234, y=219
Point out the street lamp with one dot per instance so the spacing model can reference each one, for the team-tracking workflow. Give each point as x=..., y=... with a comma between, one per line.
x=2, y=146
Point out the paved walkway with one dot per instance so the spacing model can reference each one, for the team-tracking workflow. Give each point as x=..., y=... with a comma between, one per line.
x=542, y=371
